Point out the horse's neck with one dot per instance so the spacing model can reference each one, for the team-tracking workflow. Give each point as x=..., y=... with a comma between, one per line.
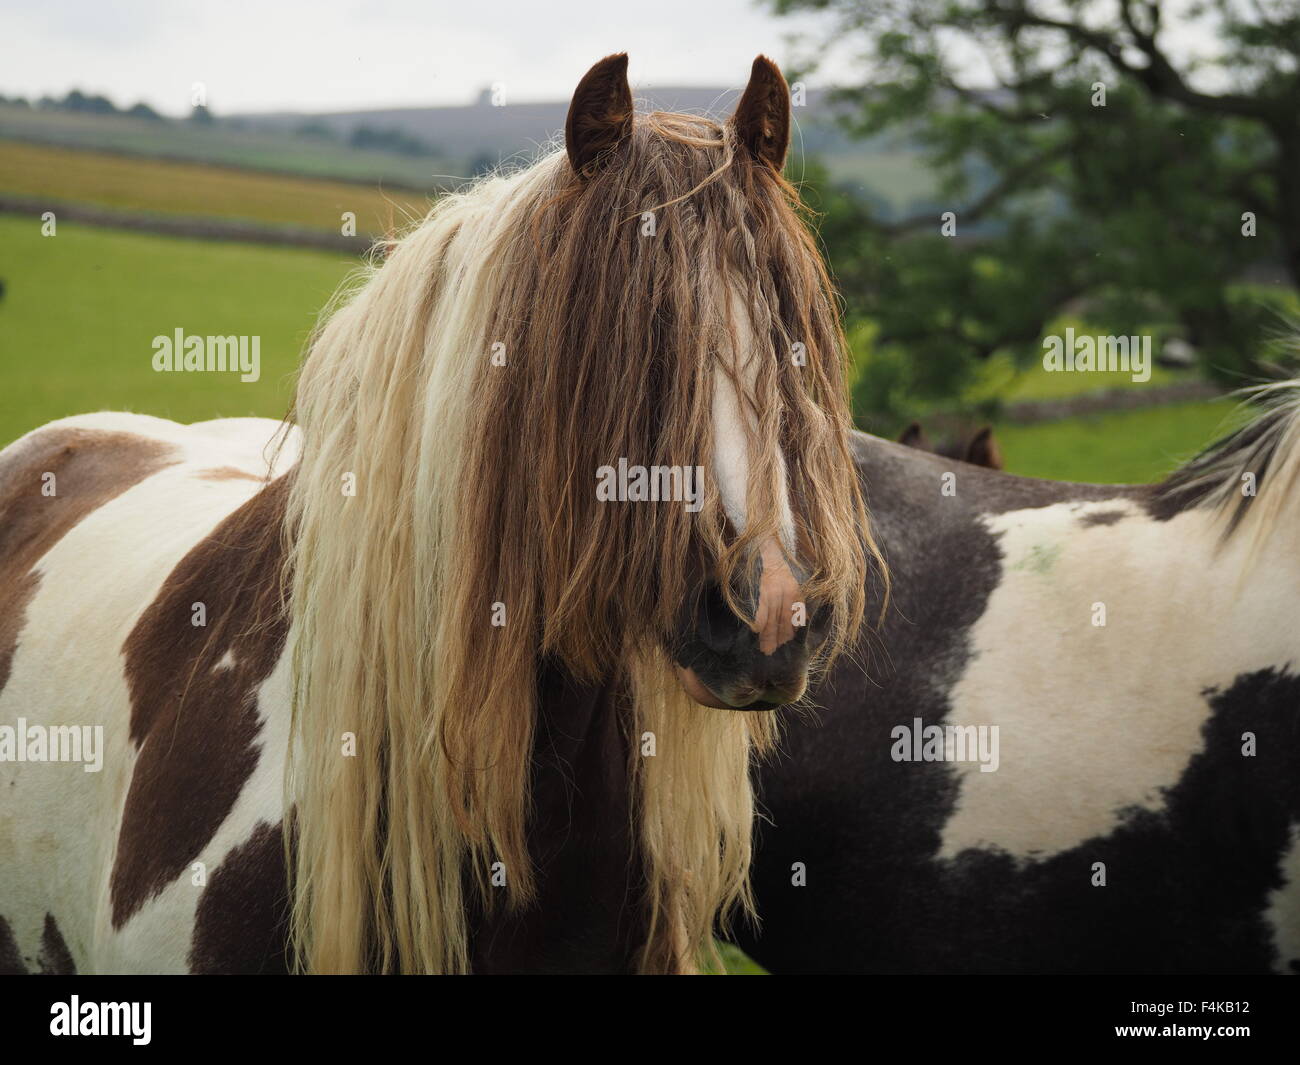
x=580, y=837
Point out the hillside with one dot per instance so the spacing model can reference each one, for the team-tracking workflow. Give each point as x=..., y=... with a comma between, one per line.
x=446, y=145
x=481, y=129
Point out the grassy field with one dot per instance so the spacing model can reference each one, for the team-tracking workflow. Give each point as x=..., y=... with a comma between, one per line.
x=80, y=311
x=1126, y=447
x=219, y=144
x=890, y=171
x=119, y=181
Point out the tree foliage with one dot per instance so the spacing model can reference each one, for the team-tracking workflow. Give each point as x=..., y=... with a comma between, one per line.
x=1095, y=153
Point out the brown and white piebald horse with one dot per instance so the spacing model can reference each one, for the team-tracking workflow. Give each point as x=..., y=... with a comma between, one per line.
x=1077, y=749
x=571, y=461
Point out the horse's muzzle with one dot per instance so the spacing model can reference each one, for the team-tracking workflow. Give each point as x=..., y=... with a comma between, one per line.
x=720, y=661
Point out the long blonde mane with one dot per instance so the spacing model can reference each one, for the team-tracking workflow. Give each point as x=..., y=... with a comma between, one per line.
x=444, y=534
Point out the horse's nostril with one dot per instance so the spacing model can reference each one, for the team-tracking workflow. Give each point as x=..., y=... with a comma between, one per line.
x=717, y=627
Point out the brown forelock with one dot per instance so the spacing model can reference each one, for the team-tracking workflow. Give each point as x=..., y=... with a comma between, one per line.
x=196, y=725
x=90, y=468
x=615, y=360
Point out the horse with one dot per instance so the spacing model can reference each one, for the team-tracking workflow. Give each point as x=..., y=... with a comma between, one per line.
x=979, y=448
x=1075, y=744
x=462, y=666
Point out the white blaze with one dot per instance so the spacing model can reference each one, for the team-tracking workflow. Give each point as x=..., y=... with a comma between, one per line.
x=734, y=424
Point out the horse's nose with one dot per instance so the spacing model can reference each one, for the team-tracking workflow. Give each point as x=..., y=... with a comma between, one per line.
x=722, y=632
x=722, y=661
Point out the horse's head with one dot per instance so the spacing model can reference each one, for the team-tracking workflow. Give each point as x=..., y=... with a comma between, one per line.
x=713, y=400
x=588, y=413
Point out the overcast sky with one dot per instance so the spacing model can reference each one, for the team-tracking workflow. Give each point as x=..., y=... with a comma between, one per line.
x=346, y=54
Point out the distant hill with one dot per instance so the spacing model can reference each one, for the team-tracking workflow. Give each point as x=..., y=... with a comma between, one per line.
x=475, y=137
x=221, y=144
x=425, y=149
x=486, y=134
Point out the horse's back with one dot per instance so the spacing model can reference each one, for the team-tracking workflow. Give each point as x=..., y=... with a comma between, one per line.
x=140, y=680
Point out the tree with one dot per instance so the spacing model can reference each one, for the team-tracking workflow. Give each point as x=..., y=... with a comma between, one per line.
x=1082, y=161
x=370, y=138
x=143, y=110
x=76, y=100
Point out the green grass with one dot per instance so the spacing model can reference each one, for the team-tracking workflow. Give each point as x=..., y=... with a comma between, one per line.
x=1126, y=447
x=735, y=962
x=219, y=144
x=64, y=174
x=81, y=309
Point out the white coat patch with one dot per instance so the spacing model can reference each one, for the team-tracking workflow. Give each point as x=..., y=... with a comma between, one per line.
x=1097, y=718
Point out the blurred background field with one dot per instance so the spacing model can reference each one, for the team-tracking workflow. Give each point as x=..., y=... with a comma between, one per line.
x=80, y=316
x=153, y=138
x=54, y=175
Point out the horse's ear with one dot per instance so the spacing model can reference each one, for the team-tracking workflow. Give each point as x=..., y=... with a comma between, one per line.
x=762, y=118
x=914, y=436
x=600, y=114
x=983, y=450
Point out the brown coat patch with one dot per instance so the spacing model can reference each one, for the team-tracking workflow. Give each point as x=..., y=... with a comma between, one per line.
x=15, y=593
x=11, y=958
x=242, y=921
x=55, y=958
x=196, y=725
x=589, y=915
x=1102, y=517
x=90, y=468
